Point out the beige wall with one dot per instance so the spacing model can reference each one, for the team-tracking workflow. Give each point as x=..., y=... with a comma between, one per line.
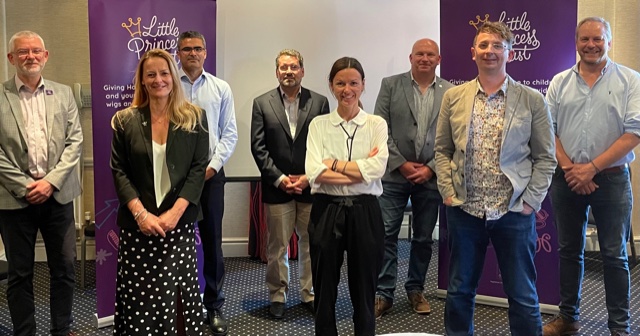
x=64, y=27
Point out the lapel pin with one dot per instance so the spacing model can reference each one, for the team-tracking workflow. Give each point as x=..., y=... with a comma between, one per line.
x=48, y=92
x=144, y=123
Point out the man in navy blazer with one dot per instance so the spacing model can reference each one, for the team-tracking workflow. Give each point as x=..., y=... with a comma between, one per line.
x=495, y=156
x=410, y=103
x=40, y=146
x=279, y=125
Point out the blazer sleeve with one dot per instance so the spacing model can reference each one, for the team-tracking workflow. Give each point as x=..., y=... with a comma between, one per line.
x=259, y=150
x=72, y=141
x=194, y=182
x=383, y=109
x=120, y=164
x=444, y=148
x=543, y=152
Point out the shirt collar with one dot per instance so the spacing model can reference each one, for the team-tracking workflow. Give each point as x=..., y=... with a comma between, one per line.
x=183, y=76
x=20, y=84
x=503, y=87
x=576, y=67
x=284, y=95
x=359, y=120
x=413, y=81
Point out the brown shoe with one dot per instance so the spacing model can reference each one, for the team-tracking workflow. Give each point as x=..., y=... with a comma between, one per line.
x=560, y=326
x=382, y=306
x=419, y=304
x=619, y=333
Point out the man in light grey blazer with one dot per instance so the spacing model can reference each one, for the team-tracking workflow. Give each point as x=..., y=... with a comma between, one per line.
x=495, y=156
x=40, y=145
x=410, y=103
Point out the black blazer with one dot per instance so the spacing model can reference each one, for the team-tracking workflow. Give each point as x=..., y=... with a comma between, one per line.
x=132, y=165
x=274, y=150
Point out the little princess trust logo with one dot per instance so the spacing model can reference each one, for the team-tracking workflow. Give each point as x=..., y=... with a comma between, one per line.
x=154, y=34
x=525, y=40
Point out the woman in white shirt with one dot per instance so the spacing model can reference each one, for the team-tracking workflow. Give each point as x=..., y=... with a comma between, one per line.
x=346, y=158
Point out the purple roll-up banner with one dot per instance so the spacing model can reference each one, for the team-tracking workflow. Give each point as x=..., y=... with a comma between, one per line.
x=544, y=46
x=120, y=32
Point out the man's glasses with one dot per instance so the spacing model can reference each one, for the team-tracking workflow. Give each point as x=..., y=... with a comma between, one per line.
x=496, y=46
x=292, y=67
x=187, y=50
x=26, y=52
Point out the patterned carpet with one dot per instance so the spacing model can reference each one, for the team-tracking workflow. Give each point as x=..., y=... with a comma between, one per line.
x=247, y=304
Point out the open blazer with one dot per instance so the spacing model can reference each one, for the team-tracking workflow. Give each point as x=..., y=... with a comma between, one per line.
x=131, y=162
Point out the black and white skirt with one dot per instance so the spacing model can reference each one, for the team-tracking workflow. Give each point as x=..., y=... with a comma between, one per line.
x=153, y=273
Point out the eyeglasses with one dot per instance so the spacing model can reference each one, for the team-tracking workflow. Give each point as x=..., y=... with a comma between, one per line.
x=26, y=52
x=187, y=50
x=293, y=67
x=496, y=46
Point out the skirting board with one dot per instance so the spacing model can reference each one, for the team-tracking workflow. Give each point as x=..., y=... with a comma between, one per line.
x=501, y=302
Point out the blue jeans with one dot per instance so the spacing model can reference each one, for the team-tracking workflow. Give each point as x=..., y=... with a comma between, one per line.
x=514, y=239
x=611, y=206
x=425, y=203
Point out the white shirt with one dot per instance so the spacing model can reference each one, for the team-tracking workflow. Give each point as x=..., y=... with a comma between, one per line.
x=327, y=140
x=161, y=179
x=34, y=114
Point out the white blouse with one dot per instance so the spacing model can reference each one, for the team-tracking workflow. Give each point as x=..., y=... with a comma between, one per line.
x=329, y=138
x=161, y=180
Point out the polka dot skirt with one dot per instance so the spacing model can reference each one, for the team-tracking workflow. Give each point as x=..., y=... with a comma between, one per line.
x=152, y=273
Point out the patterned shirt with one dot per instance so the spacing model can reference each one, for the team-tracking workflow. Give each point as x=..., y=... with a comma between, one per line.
x=488, y=189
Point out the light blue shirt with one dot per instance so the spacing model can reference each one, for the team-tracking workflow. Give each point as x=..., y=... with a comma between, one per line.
x=589, y=120
x=214, y=96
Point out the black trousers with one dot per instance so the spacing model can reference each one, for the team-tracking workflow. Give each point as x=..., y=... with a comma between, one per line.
x=352, y=224
x=212, y=202
x=19, y=229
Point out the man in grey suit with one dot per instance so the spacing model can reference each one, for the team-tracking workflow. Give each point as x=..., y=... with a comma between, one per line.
x=495, y=156
x=410, y=103
x=279, y=125
x=40, y=145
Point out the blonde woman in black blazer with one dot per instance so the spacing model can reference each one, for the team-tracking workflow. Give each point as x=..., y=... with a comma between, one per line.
x=159, y=154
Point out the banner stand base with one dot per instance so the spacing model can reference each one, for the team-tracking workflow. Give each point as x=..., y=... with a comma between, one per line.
x=501, y=302
x=104, y=321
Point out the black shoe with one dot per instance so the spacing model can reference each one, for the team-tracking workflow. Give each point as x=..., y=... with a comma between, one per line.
x=276, y=310
x=217, y=323
x=309, y=306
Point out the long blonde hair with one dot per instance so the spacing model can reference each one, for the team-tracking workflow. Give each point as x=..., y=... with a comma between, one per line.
x=182, y=113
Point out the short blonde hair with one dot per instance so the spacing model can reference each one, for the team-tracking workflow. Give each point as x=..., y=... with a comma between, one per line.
x=498, y=28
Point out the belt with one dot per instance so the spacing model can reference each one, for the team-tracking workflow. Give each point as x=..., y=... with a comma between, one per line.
x=615, y=169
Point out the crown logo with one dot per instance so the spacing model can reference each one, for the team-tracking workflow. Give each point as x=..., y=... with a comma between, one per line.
x=137, y=25
x=479, y=22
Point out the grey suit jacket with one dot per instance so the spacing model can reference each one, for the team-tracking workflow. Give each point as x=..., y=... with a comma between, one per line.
x=396, y=105
x=527, y=155
x=275, y=151
x=65, y=145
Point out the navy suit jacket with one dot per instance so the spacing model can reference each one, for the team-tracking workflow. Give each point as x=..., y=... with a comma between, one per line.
x=275, y=151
